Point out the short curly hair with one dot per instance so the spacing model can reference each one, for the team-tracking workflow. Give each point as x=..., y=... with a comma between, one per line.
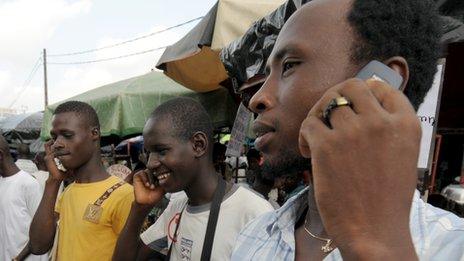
x=407, y=28
x=187, y=116
x=82, y=109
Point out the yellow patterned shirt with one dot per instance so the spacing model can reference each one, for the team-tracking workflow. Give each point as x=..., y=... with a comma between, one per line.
x=79, y=239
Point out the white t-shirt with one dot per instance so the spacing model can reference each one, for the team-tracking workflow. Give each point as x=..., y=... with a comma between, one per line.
x=20, y=197
x=175, y=195
x=41, y=176
x=239, y=206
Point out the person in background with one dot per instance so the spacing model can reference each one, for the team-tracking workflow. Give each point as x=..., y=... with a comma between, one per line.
x=236, y=166
x=24, y=162
x=42, y=173
x=266, y=188
x=139, y=164
x=219, y=151
x=253, y=158
x=20, y=197
x=291, y=184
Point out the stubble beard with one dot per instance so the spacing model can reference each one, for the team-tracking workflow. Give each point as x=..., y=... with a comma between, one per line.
x=287, y=162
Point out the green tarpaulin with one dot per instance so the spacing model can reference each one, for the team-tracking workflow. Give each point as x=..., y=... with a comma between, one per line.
x=124, y=106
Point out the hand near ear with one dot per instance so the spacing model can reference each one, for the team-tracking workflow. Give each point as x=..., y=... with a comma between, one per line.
x=366, y=162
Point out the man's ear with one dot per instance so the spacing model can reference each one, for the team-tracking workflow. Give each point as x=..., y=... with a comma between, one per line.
x=199, y=143
x=400, y=65
x=95, y=133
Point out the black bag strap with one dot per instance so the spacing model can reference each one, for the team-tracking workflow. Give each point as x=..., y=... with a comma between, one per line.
x=212, y=220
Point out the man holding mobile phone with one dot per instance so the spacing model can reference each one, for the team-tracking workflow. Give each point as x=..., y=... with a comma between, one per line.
x=91, y=211
x=204, y=224
x=359, y=138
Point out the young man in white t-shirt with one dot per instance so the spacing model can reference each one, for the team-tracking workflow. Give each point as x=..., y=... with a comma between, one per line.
x=178, y=136
x=20, y=197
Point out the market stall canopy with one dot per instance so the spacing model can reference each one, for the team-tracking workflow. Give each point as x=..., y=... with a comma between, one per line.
x=246, y=57
x=23, y=126
x=194, y=60
x=123, y=107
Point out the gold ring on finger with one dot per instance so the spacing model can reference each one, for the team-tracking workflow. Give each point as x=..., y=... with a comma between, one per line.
x=334, y=103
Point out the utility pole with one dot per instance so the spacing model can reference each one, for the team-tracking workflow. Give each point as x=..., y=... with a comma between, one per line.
x=45, y=77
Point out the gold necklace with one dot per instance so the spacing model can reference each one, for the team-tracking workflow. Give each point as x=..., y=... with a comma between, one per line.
x=328, y=242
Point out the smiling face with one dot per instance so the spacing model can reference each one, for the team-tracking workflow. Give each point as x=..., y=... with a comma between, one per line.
x=311, y=54
x=74, y=138
x=170, y=158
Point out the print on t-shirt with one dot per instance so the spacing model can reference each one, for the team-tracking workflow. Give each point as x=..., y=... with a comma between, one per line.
x=239, y=207
x=186, y=248
x=172, y=227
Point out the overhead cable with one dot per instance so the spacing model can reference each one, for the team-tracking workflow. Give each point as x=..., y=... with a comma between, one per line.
x=128, y=41
x=27, y=81
x=107, y=59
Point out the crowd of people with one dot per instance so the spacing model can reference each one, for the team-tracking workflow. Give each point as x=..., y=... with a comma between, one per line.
x=326, y=180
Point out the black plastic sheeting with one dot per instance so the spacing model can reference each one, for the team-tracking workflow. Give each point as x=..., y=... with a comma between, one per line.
x=201, y=35
x=247, y=56
x=453, y=30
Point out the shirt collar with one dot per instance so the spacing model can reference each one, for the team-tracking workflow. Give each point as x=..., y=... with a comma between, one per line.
x=417, y=223
x=286, y=216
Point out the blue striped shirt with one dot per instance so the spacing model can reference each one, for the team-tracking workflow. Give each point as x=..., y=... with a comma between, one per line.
x=436, y=233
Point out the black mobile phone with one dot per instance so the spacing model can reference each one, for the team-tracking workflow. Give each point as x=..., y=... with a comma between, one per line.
x=379, y=71
x=152, y=179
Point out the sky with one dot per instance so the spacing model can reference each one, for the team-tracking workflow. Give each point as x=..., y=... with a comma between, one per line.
x=63, y=26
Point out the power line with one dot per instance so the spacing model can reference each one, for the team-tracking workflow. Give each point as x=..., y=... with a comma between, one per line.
x=109, y=59
x=128, y=41
x=27, y=81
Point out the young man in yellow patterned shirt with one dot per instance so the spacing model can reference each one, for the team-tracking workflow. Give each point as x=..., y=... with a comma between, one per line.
x=92, y=211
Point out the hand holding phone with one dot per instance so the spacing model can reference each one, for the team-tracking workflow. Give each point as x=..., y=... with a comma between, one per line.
x=56, y=171
x=381, y=72
x=146, y=189
x=371, y=148
x=59, y=165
